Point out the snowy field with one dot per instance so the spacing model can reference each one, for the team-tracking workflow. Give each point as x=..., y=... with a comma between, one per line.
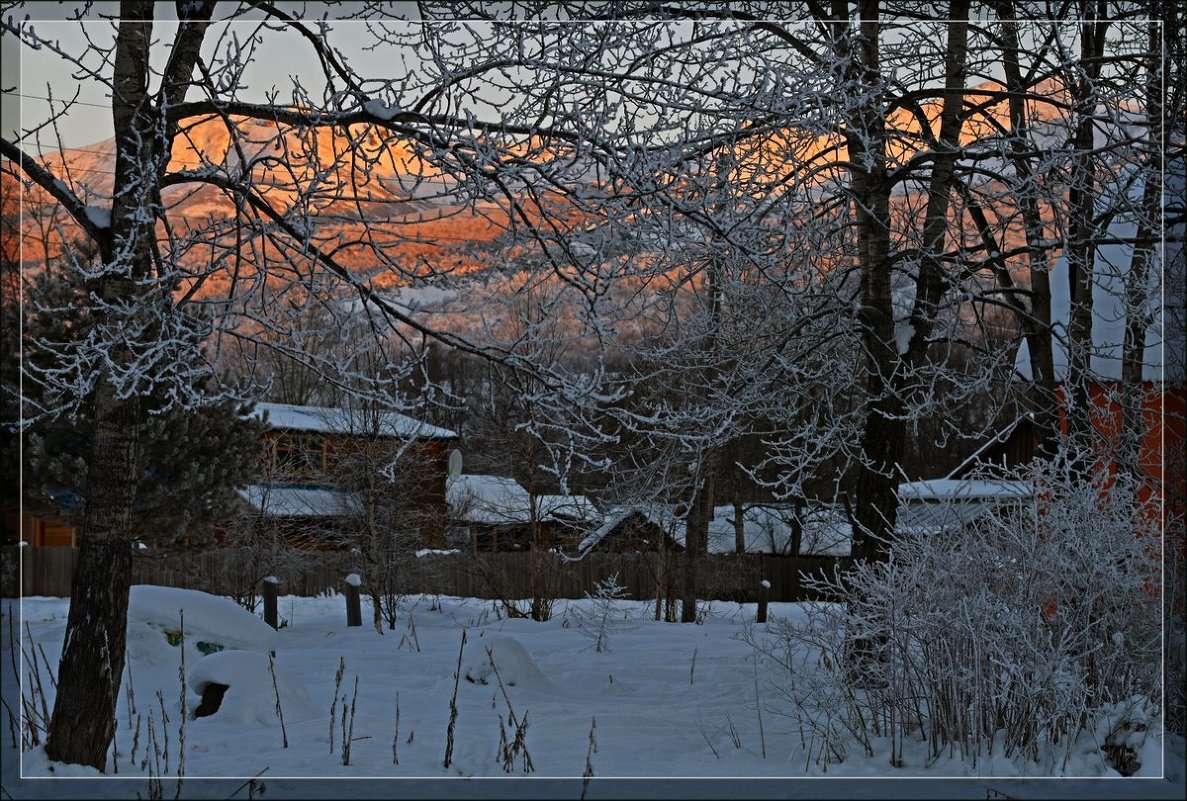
x=662, y=710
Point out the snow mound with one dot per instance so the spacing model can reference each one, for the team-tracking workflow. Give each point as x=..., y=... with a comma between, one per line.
x=250, y=697
x=514, y=663
x=211, y=623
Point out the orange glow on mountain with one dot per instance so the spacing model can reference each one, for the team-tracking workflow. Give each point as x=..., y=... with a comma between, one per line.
x=390, y=214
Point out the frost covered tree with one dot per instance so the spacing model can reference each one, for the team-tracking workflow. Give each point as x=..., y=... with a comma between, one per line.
x=600, y=617
x=192, y=460
x=287, y=174
x=736, y=221
x=1021, y=633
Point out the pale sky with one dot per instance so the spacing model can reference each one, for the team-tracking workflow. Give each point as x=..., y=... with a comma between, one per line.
x=42, y=73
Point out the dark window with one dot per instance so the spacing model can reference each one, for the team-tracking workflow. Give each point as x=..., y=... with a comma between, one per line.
x=300, y=455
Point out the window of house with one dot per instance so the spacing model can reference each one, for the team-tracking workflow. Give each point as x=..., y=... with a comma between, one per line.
x=300, y=455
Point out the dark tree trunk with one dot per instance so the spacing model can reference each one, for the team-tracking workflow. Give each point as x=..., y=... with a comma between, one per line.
x=1137, y=290
x=739, y=527
x=796, y=546
x=696, y=539
x=692, y=556
x=889, y=369
x=1081, y=249
x=883, y=435
x=889, y=373
x=1035, y=320
x=92, y=662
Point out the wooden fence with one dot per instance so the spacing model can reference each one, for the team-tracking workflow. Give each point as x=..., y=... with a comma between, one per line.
x=30, y=571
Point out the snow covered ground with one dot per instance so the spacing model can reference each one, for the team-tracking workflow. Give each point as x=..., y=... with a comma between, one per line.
x=674, y=705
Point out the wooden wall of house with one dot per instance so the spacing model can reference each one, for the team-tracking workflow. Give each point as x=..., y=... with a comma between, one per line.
x=1162, y=457
x=42, y=532
x=517, y=537
x=423, y=488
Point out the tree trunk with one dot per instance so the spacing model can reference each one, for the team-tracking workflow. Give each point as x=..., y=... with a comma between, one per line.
x=1137, y=290
x=883, y=434
x=92, y=663
x=796, y=546
x=696, y=539
x=739, y=527
x=1035, y=320
x=1081, y=249
x=889, y=370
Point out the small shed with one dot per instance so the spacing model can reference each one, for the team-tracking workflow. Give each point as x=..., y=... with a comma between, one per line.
x=494, y=513
x=631, y=529
x=766, y=529
x=944, y=504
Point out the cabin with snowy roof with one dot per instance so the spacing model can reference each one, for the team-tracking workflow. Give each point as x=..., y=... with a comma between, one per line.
x=496, y=513
x=771, y=529
x=939, y=505
x=307, y=453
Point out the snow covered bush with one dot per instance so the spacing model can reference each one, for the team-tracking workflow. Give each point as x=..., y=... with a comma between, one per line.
x=505, y=656
x=1026, y=634
x=1175, y=638
x=601, y=615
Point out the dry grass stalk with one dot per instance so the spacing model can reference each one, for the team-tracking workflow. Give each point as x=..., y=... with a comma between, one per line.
x=457, y=674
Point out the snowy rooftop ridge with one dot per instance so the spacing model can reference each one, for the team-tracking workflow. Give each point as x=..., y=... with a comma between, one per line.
x=941, y=504
x=341, y=421
x=950, y=489
x=765, y=528
x=577, y=508
x=487, y=499
x=291, y=501
x=501, y=500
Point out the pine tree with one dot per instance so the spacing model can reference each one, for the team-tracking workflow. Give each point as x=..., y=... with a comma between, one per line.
x=193, y=458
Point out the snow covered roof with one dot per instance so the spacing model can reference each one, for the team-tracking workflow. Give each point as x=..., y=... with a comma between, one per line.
x=939, y=504
x=499, y=499
x=339, y=421
x=488, y=499
x=948, y=489
x=297, y=501
x=576, y=508
x=1165, y=337
x=661, y=515
x=766, y=528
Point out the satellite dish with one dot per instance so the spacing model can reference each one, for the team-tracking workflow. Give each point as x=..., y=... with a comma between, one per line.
x=455, y=463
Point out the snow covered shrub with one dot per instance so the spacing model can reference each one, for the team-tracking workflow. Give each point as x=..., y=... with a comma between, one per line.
x=1174, y=590
x=601, y=616
x=1016, y=634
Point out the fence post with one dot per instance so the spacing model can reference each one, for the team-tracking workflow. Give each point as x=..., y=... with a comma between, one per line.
x=764, y=593
x=271, y=591
x=354, y=609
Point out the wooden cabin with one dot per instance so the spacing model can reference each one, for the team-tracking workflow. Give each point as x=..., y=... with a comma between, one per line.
x=306, y=457
x=315, y=461
x=494, y=513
